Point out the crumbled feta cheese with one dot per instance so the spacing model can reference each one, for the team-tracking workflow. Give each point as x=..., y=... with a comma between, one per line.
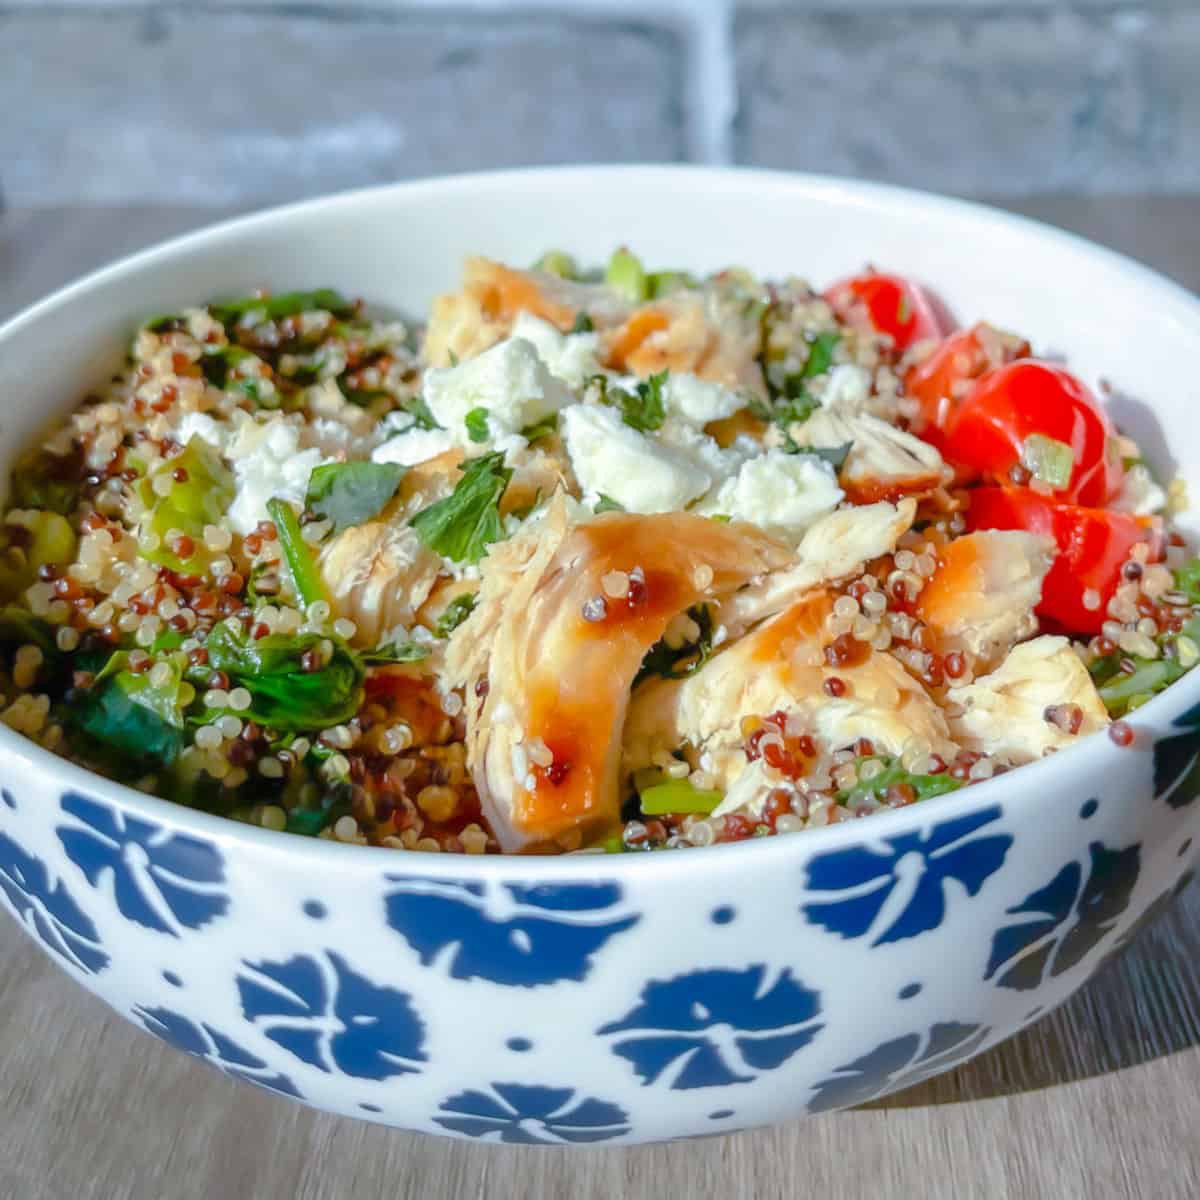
x=200, y=425
x=413, y=446
x=268, y=463
x=781, y=493
x=1139, y=493
x=640, y=473
x=699, y=401
x=570, y=357
x=702, y=450
x=510, y=381
x=847, y=389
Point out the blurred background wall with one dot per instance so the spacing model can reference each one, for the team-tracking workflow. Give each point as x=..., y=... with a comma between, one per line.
x=182, y=108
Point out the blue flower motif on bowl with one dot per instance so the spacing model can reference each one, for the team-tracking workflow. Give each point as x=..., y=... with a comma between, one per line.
x=715, y=1027
x=900, y=1063
x=531, y=1115
x=507, y=933
x=889, y=889
x=202, y=1041
x=327, y=1015
x=1060, y=923
x=164, y=881
x=44, y=906
x=1177, y=762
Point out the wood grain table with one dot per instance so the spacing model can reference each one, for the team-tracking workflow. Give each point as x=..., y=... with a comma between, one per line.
x=1099, y=1099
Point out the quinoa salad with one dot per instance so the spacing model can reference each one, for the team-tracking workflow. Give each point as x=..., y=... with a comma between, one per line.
x=595, y=560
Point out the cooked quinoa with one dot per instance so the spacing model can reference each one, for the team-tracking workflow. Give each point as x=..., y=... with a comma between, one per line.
x=611, y=561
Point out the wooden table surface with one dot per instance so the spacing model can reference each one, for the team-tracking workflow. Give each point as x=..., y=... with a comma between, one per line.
x=1099, y=1099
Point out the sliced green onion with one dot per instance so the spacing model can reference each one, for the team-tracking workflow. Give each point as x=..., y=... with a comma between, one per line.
x=306, y=579
x=627, y=275
x=1127, y=692
x=1048, y=460
x=678, y=796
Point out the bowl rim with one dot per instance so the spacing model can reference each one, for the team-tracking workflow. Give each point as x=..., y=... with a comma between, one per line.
x=70, y=776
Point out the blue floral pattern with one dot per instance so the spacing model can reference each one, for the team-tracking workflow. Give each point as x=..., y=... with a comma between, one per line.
x=1062, y=922
x=44, y=906
x=1177, y=762
x=202, y=1041
x=900, y=1063
x=533, y=1116
x=327, y=1015
x=164, y=881
x=889, y=889
x=715, y=1027
x=507, y=933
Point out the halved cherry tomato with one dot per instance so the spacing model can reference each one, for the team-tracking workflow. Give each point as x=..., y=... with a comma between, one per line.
x=905, y=311
x=1093, y=544
x=941, y=382
x=989, y=429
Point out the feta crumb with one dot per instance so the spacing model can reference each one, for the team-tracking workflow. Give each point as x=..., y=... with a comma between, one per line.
x=699, y=401
x=268, y=463
x=570, y=357
x=781, y=493
x=413, y=446
x=510, y=381
x=847, y=390
x=200, y=425
x=641, y=474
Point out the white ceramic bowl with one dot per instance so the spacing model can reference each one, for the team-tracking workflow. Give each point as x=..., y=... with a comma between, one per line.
x=615, y=999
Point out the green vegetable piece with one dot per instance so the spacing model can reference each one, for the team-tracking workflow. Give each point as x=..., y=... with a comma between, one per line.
x=308, y=822
x=463, y=525
x=1126, y=692
x=583, y=323
x=1187, y=580
x=19, y=627
x=201, y=499
x=541, y=429
x=1048, y=460
x=476, y=422
x=284, y=695
x=643, y=409
x=663, y=283
x=47, y=539
x=627, y=276
x=455, y=613
x=217, y=363
x=397, y=652
x=48, y=481
x=131, y=719
x=607, y=504
x=925, y=786
x=286, y=304
x=165, y=323
x=614, y=844
x=820, y=355
x=353, y=492
x=678, y=663
x=678, y=796
x=306, y=579
x=558, y=262
x=416, y=408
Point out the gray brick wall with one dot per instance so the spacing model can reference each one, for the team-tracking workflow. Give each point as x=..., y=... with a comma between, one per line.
x=219, y=103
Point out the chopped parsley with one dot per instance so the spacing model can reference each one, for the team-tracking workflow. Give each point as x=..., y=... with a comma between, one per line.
x=397, y=652
x=463, y=525
x=793, y=403
x=476, y=422
x=352, y=492
x=642, y=409
x=455, y=613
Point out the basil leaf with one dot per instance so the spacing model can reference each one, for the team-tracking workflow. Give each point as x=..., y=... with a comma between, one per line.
x=350, y=493
x=463, y=525
x=476, y=422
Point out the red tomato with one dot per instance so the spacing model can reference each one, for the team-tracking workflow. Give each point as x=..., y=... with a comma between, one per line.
x=904, y=310
x=987, y=432
x=941, y=382
x=1093, y=544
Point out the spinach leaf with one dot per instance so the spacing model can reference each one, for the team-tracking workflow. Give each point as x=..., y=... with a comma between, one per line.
x=924, y=786
x=679, y=662
x=130, y=719
x=353, y=492
x=463, y=525
x=284, y=695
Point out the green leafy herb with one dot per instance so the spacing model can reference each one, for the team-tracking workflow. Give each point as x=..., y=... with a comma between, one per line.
x=924, y=786
x=1122, y=692
x=47, y=540
x=306, y=579
x=476, y=422
x=217, y=362
x=455, y=613
x=793, y=403
x=626, y=275
x=679, y=662
x=644, y=408
x=541, y=429
x=286, y=304
x=583, y=323
x=607, y=504
x=277, y=670
x=352, y=492
x=416, y=408
x=47, y=481
x=820, y=355
x=678, y=796
x=463, y=525
x=130, y=718
x=1187, y=580
x=397, y=652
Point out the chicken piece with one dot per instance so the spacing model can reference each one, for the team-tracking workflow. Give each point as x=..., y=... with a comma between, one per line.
x=378, y=575
x=984, y=591
x=780, y=667
x=559, y=652
x=704, y=333
x=466, y=323
x=834, y=547
x=1004, y=713
x=884, y=463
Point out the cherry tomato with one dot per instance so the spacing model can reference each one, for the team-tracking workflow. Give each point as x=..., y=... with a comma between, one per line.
x=988, y=431
x=905, y=311
x=941, y=382
x=1093, y=544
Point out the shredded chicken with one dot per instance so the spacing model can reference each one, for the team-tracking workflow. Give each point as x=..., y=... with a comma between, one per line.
x=548, y=658
x=1027, y=706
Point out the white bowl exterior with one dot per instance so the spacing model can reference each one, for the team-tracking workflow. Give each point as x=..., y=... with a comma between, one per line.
x=613, y=998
